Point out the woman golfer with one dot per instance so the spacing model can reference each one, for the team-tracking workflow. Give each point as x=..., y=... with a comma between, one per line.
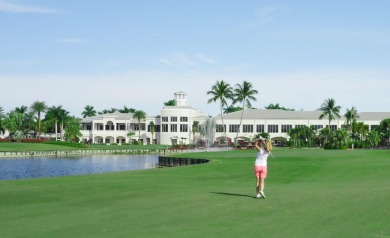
x=264, y=148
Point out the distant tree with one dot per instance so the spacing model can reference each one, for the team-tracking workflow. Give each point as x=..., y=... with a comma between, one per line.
x=127, y=110
x=221, y=91
x=72, y=133
x=89, y=111
x=245, y=94
x=22, y=110
x=139, y=115
x=329, y=110
x=13, y=123
x=195, y=127
x=38, y=107
x=277, y=106
x=2, y=116
x=384, y=129
x=231, y=109
x=170, y=103
x=152, y=129
x=130, y=134
x=351, y=116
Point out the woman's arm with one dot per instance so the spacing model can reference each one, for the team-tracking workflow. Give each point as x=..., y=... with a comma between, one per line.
x=257, y=145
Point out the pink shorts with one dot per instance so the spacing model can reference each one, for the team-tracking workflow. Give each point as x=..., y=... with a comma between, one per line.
x=260, y=171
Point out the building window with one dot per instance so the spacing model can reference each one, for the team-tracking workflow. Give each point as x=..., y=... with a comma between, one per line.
x=273, y=128
x=173, y=119
x=286, y=128
x=183, y=128
x=136, y=127
x=164, y=128
x=184, y=119
x=332, y=127
x=173, y=127
x=318, y=127
x=373, y=127
x=296, y=126
x=121, y=127
x=89, y=127
x=157, y=128
x=234, y=128
x=220, y=128
x=259, y=128
x=247, y=128
x=164, y=119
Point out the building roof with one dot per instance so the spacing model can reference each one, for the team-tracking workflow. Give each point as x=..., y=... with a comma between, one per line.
x=115, y=115
x=291, y=115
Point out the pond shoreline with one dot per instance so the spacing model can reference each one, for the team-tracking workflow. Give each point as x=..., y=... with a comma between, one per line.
x=62, y=153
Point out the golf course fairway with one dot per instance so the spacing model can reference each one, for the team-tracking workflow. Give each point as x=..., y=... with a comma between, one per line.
x=310, y=193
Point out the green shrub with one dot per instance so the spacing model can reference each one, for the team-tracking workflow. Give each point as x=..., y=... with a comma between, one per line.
x=71, y=144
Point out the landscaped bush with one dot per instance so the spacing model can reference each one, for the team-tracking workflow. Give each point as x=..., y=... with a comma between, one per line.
x=5, y=140
x=71, y=144
x=33, y=140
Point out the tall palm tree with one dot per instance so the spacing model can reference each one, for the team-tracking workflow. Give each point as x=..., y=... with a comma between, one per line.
x=38, y=108
x=152, y=129
x=2, y=115
x=22, y=110
x=139, y=115
x=351, y=116
x=221, y=91
x=195, y=127
x=54, y=114
x=329, y=110
x=89, y=111
x=64, y=118
x=245, y=94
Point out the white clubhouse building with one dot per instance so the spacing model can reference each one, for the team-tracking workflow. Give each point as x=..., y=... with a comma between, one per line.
x=174, y=125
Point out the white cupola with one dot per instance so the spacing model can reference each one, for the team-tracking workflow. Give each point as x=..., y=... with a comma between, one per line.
x=181, y=99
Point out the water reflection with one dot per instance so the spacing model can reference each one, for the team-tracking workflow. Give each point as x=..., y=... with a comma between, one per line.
x=49, y=167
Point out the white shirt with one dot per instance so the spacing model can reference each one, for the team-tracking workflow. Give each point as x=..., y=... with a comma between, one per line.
x=262, y=156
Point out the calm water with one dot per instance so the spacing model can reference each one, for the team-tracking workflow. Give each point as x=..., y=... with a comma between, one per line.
x=24, y=168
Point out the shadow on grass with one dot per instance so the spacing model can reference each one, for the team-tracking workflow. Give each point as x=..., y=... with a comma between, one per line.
x=233, y=194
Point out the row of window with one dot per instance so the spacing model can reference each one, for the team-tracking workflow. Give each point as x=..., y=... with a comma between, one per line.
x=174, y=119
x=260, y=128
x=174, y=128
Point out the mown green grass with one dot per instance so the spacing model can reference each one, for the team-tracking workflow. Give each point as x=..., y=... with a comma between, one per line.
x=310, y=193
x=7, y=146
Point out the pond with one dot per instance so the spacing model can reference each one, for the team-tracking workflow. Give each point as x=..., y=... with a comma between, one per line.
x=24, y=168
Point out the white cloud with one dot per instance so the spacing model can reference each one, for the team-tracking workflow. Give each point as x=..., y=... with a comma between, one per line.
x=205, y=59
x=184, y=60
x=6, y=6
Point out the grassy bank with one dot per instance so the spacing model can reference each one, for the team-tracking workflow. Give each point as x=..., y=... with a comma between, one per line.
x=310, y=193
x=5, y=146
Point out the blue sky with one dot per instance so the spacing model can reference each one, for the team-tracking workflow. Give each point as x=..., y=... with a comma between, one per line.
x=138, y=53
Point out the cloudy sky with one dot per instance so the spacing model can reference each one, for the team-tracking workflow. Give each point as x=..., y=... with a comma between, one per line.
x=138, y=53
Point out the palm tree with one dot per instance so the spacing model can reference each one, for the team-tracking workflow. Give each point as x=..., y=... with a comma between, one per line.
x=2, y=115
x=244, y=94
x=126, y=110
x=231, y=109
x=130, y=134
x=89, y=111
x=22, y=110
x=170, y=103
x=139, y=115
x=351, y=116
x=38, y=108
x=330, y=110
x=221, y=91
x=53, y=114
x=195, y=126
x=152, y=129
